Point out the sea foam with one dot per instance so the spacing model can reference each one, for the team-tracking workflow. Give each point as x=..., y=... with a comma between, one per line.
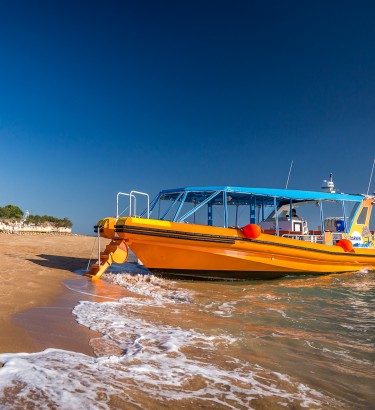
x=141, y=357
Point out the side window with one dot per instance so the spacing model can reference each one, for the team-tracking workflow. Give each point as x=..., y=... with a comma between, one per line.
x=362, y=217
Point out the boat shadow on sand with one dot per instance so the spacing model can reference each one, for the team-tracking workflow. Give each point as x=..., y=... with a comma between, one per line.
x=69, y=263
x=80, y=265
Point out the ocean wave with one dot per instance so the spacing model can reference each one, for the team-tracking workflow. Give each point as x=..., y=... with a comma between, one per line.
x=150, y=285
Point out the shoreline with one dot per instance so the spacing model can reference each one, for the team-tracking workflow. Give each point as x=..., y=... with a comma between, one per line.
x=33, y=268
x=56, y=316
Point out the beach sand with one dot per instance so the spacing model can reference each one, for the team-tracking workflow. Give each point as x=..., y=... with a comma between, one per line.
x=32, y=270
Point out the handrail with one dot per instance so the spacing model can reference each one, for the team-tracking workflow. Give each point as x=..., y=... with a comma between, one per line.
x=117, y=196
x=135, y=203
x=305, y=237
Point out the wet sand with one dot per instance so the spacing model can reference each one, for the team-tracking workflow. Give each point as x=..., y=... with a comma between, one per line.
x=35, y=306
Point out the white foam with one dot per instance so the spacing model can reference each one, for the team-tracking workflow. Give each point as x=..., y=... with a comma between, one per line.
x=67, y=380
x=53, y=378
x=160, y=359
x=153, y=361
x=225, y=309
x=139, y=355
x=150, y=285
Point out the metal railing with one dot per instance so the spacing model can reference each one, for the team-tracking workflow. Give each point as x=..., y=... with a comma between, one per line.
x=117, y=200
x=135, y=203
x=306, y=238
x=132, y=203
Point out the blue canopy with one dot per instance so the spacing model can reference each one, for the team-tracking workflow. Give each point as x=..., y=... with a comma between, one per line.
x=240, y=195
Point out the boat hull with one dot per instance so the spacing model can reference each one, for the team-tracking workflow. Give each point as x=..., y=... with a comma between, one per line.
x=188, y=250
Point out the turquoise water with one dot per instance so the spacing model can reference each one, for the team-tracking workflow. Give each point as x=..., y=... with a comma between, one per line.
x=288, y=343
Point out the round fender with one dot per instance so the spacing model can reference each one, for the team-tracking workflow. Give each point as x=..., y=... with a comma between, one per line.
x=121, y=253
x=251, y=231
x=346, y=245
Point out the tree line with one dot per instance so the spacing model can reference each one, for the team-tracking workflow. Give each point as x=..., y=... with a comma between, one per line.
x=14, y=212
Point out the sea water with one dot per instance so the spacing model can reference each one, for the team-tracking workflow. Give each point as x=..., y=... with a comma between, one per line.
x=290, y=343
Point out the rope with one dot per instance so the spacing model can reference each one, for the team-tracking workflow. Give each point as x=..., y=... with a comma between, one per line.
x=91, y=254
x=124, y=211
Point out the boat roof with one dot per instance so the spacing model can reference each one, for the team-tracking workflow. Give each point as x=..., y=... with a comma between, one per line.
x=238, y=194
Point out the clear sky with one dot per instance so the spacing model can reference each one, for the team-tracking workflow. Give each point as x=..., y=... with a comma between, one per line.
x=100, y=97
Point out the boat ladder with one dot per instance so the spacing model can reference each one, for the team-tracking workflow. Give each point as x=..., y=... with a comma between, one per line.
x=115, y=252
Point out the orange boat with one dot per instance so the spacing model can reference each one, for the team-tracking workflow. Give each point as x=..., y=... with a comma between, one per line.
x=227, y=233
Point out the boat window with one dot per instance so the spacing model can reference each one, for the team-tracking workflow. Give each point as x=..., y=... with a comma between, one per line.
x=353, y=211
x=194, y=208
x=335, y=214
x=362, y=216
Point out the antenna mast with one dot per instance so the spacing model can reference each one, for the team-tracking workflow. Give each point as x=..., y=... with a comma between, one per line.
x=369, y=183
x=290, y=170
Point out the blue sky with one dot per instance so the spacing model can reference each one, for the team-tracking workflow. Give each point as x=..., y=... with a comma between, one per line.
x=101, y=97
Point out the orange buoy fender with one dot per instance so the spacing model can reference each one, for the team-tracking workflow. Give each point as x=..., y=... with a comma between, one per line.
x=346, y=245
x=251, y=231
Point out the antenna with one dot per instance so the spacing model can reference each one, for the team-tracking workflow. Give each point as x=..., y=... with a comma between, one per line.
x=290, y=170
x=328, y=185
x=369, y=183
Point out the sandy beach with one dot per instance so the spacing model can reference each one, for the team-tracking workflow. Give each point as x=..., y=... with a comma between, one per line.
x=32, y=270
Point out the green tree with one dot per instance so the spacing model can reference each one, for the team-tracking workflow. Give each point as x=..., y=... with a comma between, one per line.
x=11, y=211
x=39, y=220
x=14, y=212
